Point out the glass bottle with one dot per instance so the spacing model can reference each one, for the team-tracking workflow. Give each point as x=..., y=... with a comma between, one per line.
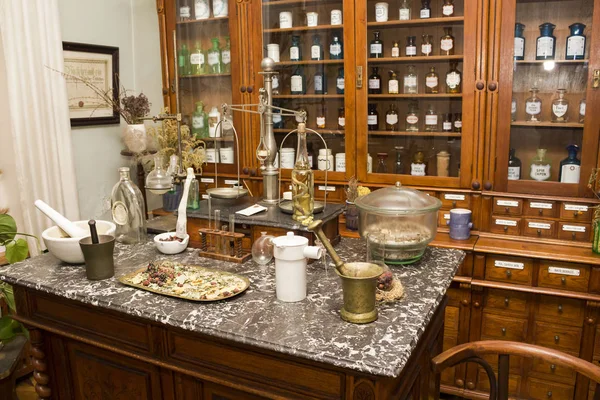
x=197, y=61
x=432, y=82
x=519, y=50
x=404, y=10
x=376, y=47
x=275, y=84
x=458, y=122
x=582, y=111
x=295, y=49
x=336, y=48
x=560, y=107
x=447, y=123
x=220, y=8
x=320, y=80
x=214, y=116
x=546, y=42
x=453, y=79
x=570, y=167
x=443, y=163
x=128, y=211
x=298, y=81
x=540, y=166
x=448, y=8
x=412, y=117
x=533, y=106
x=183, y=61
x=340, y=82
x=214, y=58
x=399, y=166
x=410, y=80
x=391, y=119
x=411, y=47
x=226, y=57
x=381, y=165
x=513, y=110
x=316, y=50
x=193, y=202
x=393, y=84
x=576, y=42
x=431, y=119
x=514, y=166
x=426, y=46
x=375, y=82
x=418, y=167
x=447, y=42
x=303, y=187
x=341, y=118
x=277, y=119
x=373, y=118
x=185, y=13
x=159, y=181
x=201, y=9
x=425, y=9
x=395, y=49
x=200, y=121
x=321, y=118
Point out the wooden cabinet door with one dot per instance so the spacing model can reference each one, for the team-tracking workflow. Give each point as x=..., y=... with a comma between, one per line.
x=217, y=392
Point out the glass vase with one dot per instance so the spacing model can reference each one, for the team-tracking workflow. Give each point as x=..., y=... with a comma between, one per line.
x=351, y=216
x=596, y=240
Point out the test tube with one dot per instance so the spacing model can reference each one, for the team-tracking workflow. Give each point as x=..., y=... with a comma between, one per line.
x=209, y=213
x=217, y=219
x=232, y=222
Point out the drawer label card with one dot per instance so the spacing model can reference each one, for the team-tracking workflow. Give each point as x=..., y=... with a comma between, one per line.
x=539, y=225
x=446, y=216
x=573, y=228
x=564, y=271
x=576, y=207
x=231, y=182
x=509, y=264
x=545, y=206
x=205, y=196
x=207, y=180
x=506, y=222
x=507, y=203
x=454, y=196
x=327, y=188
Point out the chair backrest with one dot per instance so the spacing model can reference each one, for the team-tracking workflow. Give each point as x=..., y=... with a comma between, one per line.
x=475, y=351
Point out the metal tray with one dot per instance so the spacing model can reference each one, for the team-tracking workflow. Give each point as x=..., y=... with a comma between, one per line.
x=227, y=192
x=286, y=207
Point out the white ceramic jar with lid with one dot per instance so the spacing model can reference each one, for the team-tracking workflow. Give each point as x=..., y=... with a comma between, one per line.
x=288, y=157
x=325, y=161
x=340, y=162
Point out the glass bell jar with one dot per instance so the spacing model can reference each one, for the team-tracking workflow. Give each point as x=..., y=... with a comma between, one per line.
x=159, y=181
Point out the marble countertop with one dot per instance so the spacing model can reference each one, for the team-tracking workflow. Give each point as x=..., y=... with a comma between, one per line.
x=309, y=329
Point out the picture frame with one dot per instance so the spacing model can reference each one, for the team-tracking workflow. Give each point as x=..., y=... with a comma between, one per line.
x=98, y=65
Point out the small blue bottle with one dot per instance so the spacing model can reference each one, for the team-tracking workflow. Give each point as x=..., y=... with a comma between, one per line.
x=295, y=49
x=546, y=42
x=570, y=167
x=519, y=52
x=576, y=42
x=336, y=49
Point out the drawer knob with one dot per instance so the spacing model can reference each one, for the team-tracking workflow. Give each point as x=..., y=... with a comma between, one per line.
x=552, y=367
x=470, y=385
x=549, y=394
x=508, y=273
x=573, y=235
x=590, y=321
x=556, y=339
x=506, y=229
x=506, y=301
x=476, y=304
x=539, y=232
x=563, y=280
x=503, y=331
x=540, y=211
x=465, y=302
x=560, y=308
x=454, y=204
x=575, y=213
x=459, y=383
x=506, y=209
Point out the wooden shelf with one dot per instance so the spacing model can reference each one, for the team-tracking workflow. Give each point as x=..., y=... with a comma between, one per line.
x=321, y=131
x=417, y=59
x=555, y=61
x=308, y=62
x=415, y=22
x=547, y=124
x=202, y=21
x=303, y=28
x=419, y=95
x=308, y=96
x=299, y=2
x=205, y=76
x=420, y=133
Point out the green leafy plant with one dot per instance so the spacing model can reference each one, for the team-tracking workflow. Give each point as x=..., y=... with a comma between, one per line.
x=16, y=249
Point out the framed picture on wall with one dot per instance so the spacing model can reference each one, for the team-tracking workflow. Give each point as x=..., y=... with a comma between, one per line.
x=92, y=75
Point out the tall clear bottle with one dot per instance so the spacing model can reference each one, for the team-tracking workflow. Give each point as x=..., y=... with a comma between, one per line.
x=214, y=58
x=303, y=187
x=560, y=107
x=128, y=210
x=226, y=56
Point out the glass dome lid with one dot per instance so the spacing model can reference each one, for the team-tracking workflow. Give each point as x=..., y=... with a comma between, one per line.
x=398, y=200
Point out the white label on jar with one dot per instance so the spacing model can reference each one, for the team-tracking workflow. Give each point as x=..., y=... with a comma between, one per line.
x=538, y=225
x=431, y=81
x=275, y=80
x=448, y=9
x=372, y=120
x=458, y=124
x=540, y=172
x=454, y=196
x=559, y=109
x=381, y=12
x=119, y=213
x=417, y=169
x=447, y=126
x=341, y=121
x=582, y=109
x=426, y=48
x=575, y=207
x=519, y=47
x=393, y=86
x=513, y=107
x=570, y=173
x=533, y=107
x=404, y=14
x=447, y=44
x=446, y=216
x=198, y=122
x=395, y=51
x=335, y=49
x=506, y=222
x=296, y=83
x=294, y=53
x=315, y=52
x=431, y=120
x=226, y=56
x=410, y=81
x=320, y=121
x=213, y=58
x=545, y=47
x=412, y=119
x=184, y=12
x=544, y=206
x=336, y=17
x=312, y=19
x=340, y=83
x=411, y=50
x=564, y=271
x=425, y=13
x=197, y=59
x=453, y=80
x=318, y=83
x=204, y=196
x=573, y=228
x=507, y=203
x=276, y=118
x=509, y=264
x=327, y=188
x=376, y=48
x=575, y=46
x=514, y=173
x=207, y=180
x=231, y=182
x=391, y=119
x=374, y=83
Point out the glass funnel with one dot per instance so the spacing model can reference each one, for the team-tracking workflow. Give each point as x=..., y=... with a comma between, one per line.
x=159, y=181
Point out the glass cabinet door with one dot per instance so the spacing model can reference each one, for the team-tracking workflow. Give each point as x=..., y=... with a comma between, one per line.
x=311, y=44
x=547, y=143
x=415, y=104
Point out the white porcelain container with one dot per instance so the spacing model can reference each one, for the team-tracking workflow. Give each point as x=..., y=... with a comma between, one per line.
x=226, y=154
x=340, y=162
x=312, y=19
x=288, y=157
x=325, y=161
x=67, y=249
x=285, y=19
x=336, y=17
x=220, y=8
x=273, y=53
x=212, y=156
x=381, y=12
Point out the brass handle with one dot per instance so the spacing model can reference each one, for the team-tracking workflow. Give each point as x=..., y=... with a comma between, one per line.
x=476, y=304
x=575, y=213
x=506, y=301
x=465, y=302
x=459, y=383
x=506, y=209
x=540, y=211
x=560, y=308
x=563, y=280
x=359, y=77
x=454, y=204
x=506, y=229
x=539, y=232
x=552, y=367
x=556, y=339
x=596, y=80
x=503, y=331
x=508, y=273
x=549, y=394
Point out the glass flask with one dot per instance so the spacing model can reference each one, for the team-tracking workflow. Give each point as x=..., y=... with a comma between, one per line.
x=453, y=79
x=412, y=118
x=540, y=166
x=391, y=118
x=303, y=187
x=298, y=81
x=183, y=61
x=226, y=57
x=295, y=49
x=399, y=166
x=560, y=107
x=214, y=58
x=458, y=122
x=418, y=167
x=128, y=211
x=393, y=84
x=431, y=119
x=262, y=249
x=373, y=118
x=340, y=82
x=193, y=201
x=533, y=106
x=447, y=123
x=570, y=167
x=447, y=43
x=197, y=61
x=316, y=50
x=200, y=121
x=320, y=80
x=425, y=9
x=513, y=110
x=381, y=165
x=411, y=46
x=336, y=48
x=426, y=46
x=341, y=118
x=158, y=180
x=395, y=49
x=448, y=8
x=410, y=81
x=514, y=166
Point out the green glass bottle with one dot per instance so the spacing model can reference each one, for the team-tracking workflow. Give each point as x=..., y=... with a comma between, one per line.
x=183, y=61
x=214, y=58
x=198, y=61
x=200, y=121
x=226, y=57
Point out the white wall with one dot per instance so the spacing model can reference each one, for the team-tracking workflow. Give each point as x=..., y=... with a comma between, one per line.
x=131, y=25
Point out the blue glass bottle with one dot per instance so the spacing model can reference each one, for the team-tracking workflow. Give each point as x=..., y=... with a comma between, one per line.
x=298, y=81
x=546, y=42
x=316, y=50
x=340, y=82
x=295, y=49
x=519, y=52
x=336, y=48
x=320, y=81
x=576, y=42
x=570, y=167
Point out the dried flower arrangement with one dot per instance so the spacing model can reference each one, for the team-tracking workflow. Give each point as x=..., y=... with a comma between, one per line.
x=594, y=185
x=354, y=191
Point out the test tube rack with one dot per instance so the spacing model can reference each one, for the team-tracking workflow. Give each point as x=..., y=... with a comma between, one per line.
x=222, y=245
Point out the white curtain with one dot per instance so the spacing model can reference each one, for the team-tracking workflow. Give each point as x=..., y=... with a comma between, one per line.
x=39, y=126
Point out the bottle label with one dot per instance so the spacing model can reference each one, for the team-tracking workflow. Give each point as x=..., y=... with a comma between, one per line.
x=417, y=169
x=559, y=109
x=431, y=81
x=318, y=83
x=395, y=51
x=582, y=109
x=458, y=124
x=294, y=53
x=321, y=121
x=425, y=13
x=410, y=81
x=374, y=83
x=540, y=172
x=446, y=126
x=533, y=107
x=120, y=213
x=335, y=49
x=296, y=83
x=570, y=173
x=197, y=59
x=275, y=81
x=315, y=52
x=412, y=119
x=519, y=47
x=513, y=107
x=201, y=9
x=220, y=8
x=393, y=86
x=277, y=118
x=448, y=10
x=376, y=48
x=575, y=46
x=404, y=14
x=447, y=44
x=514, y=173
x=213, y=58
x=226, y=56
x=426, y=48
x=431, y=120
x=341, y=121
x=411, y=50
x=340, y=83
x=545, y=47
x=391, y=119
x=453, y=80
x=184, y=12
x=198, y=122
x=372, y=120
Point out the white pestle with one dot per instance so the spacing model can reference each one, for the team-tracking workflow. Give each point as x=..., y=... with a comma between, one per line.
x=63, y=223
x=181, y=227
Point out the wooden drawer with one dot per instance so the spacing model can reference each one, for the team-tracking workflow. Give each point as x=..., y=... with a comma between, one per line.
x=507, y=206
x=565, y=276
x=483, y=383
x=506, y=301
x=551, y=371
x=560, y=310
x=509, y=269
x=427, y=192
x=451, y=318
x=576, y=212
x=503, y=328
x=560, y=337
x=539, y=228
x=443, y=217
x=455, y=200
x=333, y=192
x=205, y=183
x=574, y=231
x=538, y=389
x=535, y=208
x=505, y=225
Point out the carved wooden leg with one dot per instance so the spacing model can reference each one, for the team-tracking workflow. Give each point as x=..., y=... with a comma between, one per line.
x=40, y=368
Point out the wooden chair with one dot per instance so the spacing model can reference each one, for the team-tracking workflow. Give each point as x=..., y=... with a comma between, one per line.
x=475, y=351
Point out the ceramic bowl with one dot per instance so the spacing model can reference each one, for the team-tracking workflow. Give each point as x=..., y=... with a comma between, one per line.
x=173, y=247
x=67, y=248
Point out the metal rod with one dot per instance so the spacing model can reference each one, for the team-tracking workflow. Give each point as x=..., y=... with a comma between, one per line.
x=316, y=227
x=177, y=107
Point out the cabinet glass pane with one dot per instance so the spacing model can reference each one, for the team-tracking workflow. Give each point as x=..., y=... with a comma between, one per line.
x=306, y=40
x=551, y=48
x=415, y=79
